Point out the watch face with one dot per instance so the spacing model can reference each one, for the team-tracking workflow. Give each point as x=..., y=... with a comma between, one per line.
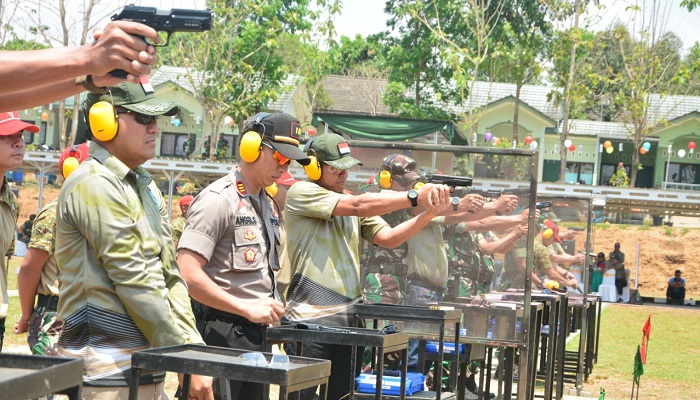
x=412, y=194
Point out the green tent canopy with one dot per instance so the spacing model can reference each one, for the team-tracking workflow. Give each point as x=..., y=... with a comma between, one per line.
x=385, y=128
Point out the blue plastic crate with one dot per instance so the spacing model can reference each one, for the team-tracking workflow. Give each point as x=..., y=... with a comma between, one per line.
x=447, y=348
x=367, y=383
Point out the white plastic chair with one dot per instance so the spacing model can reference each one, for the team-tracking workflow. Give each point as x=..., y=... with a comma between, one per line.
x=607, y=289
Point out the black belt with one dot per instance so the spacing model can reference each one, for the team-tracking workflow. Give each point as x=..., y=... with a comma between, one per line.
x=48, y=302
x=416, y=280
x=211, y=314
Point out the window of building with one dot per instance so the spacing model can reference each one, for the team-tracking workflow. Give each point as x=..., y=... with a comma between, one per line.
x=577, y=172
x=171, y=144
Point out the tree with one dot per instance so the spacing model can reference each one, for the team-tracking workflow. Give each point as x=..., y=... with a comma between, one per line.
x=75, y=23
x=521, y=41
x=235, y=68
x=650, y=64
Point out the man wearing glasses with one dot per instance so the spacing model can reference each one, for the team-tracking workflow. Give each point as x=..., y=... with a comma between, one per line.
x=229, y=250
x=120, y=287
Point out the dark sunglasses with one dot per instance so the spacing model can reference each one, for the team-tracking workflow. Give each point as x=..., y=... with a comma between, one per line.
x=140, y=118
x=277, y=156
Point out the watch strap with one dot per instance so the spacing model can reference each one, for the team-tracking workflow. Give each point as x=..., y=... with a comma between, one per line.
x=86, y=82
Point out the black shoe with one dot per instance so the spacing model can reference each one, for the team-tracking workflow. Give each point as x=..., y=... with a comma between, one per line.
x=619, y=300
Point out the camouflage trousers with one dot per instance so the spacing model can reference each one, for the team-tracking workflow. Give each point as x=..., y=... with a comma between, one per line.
x=384, y=288
x=43, y=333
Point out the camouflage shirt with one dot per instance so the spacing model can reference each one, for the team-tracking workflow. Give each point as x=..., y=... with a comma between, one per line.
x=379, y=286
x=177, y=226
x=9, y=211
x=43, y=238
x=121, y=290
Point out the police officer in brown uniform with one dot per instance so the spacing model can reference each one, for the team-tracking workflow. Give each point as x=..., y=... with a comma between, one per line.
x=228, y=252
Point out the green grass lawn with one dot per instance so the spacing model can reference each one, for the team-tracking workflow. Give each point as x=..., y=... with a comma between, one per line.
x=672, y=357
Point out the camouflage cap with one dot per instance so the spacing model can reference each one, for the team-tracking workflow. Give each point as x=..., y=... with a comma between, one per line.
x=333, y=150
x=401, y=166
x=133, y=97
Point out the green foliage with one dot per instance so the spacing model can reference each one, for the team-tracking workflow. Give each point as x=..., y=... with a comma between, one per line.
x=187, y=188
x=668, y=232
x=684, y=231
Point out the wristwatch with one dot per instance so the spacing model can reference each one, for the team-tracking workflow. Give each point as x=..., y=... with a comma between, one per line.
x=413, y=196
x=455, y=203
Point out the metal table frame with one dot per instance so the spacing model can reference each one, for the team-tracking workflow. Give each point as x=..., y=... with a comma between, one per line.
x=222, y=362
x=31, y=376
x=429, y=314
x=355, y=337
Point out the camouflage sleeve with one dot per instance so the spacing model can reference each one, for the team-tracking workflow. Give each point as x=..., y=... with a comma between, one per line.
x=43, y=237
x=542, y=257
x=177, y=227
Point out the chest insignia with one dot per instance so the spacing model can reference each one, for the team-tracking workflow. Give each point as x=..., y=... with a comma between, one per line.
x=249, y=255
x=249, y=235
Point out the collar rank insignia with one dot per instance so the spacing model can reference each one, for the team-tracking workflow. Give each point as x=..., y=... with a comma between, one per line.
x=241, y=187
x=249, y=235
x=249, y=254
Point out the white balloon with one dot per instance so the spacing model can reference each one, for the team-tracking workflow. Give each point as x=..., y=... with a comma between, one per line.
x=681, y=153
x=567, y=143
x=228, y=120
x=533, y=145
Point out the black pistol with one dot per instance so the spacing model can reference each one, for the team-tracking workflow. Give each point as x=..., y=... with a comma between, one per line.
x=168, y=21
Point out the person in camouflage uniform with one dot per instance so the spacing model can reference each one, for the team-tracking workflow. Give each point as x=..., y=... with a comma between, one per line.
x=385, y=269
x=11, y=156
x=206, y=148
x=221, y=148
x=39, y=275
x=178, y=224
x=188, y=146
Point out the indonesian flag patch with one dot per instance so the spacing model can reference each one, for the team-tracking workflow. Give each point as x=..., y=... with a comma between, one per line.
x=343, y=148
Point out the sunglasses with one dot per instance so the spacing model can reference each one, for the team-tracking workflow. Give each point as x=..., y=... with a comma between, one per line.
x=277, y=156
x=140, y=118
x=334, y=170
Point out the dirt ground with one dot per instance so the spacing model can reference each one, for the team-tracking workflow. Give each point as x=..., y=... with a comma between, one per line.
x=663, y=249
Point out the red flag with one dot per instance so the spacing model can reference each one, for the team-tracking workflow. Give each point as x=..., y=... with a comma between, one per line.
x=646, y=329
x=646, y=332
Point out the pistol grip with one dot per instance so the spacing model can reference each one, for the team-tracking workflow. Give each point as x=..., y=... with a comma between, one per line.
x=118, y=73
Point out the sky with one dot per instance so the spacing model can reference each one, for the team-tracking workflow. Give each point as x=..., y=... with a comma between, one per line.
x=366, y=17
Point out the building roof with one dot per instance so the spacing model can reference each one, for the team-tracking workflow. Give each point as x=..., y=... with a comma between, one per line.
x=667, y=108
x=355, y=95
x=176, y=75
x=613, y=130
x=289, y=85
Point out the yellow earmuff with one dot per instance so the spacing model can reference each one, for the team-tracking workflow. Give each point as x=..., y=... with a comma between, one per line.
x=313, y=170
x=251, y=141
x=103, y=121
x=272, y=189
x=547, y=233
x=69, y=165
x=385, y=179
x=250, y=146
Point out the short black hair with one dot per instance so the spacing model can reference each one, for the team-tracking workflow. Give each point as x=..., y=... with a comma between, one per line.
x=678, y=271
x=617, y=244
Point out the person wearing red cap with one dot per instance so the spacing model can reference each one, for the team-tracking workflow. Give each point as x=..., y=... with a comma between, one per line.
x=38, y=274
x=61, y=72
x=545, y=268
x=561, y=259
x=11, y=156
x=178, y=224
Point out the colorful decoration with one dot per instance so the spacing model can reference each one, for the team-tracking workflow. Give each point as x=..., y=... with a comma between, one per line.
x=311, y=132
x=681, y=153
x=572, y=148
x=609, y=150
x=646, y=146
x=497, y=141
x=643, y=150
x=488, y=136
x=568, y=143
x=607, y=144
x=528, y=139
x=533, y=145
x=229, y=121
x=691, y=146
